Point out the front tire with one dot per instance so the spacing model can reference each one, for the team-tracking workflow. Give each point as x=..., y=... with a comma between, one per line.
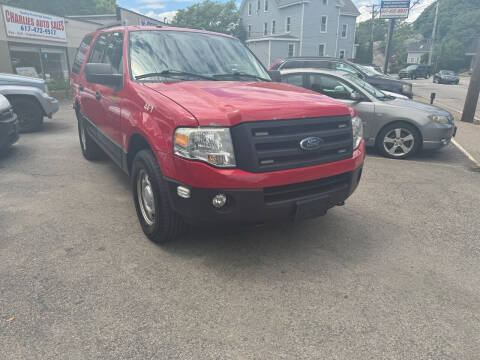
x=398, y=141
x=29, y=112
x=158, y=219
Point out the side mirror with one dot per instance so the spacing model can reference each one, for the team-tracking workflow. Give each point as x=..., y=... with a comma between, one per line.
x=103, y=74
x=275, y=75
x=356, y=96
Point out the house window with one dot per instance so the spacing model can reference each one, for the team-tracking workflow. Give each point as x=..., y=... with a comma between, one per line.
x=249, y=9
x=344, y=31
x=288, y=23
x=291, y=50
x=325, y=2
x=249, y=31
x=273, y=26
x=258, y=6
x=323, y=24
x=321, y=50
x=342, y=54
x=266, y=5
x=265, y=29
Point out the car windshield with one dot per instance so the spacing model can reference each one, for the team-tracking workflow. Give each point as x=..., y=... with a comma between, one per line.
x=369, y=70
x=448, y=72
x=160, y=55
x=367, y=87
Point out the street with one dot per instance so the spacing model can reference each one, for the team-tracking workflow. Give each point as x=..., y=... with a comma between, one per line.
x=393, y=274
x=451, y=97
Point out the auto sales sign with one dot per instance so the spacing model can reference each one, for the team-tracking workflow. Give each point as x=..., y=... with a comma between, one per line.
x=394, y=9
x=32, y=25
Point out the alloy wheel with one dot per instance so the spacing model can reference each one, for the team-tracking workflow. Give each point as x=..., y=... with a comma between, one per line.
x=399, y=142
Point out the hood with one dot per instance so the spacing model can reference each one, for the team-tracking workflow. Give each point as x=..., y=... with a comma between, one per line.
x=4, y=103
x=390, y=79
x=10, y=79
x=227, y=103
x=429, y=109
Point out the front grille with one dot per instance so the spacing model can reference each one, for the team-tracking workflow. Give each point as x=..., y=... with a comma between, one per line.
x=275, y=145
x=307, y=189
x=6, y=115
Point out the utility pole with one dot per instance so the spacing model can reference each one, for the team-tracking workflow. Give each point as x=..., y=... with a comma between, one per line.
x=434, y=33
x=371, y=36
x=389, y=45
x=473, y=90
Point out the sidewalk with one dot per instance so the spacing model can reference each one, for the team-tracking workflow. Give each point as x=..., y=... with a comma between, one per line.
x=468, y=135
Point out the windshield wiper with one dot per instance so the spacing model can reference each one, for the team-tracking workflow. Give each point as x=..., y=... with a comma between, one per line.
x=242, y=74
x=173, y=73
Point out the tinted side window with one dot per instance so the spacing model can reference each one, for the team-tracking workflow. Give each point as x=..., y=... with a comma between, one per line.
x=330, y=86
x=108, y=49
x=114, y=52
x=81, y=54
x=293, y=79
x=96, y=55
x=346, y=67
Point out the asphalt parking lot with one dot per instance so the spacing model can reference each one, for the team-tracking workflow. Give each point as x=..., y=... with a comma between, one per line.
x=394, y=274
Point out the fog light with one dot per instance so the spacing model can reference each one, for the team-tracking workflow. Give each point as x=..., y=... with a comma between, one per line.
x=219, y=201
x=183, y=192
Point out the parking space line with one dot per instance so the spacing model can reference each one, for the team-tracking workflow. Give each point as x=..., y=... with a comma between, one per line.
x=466, y=153
x=417, y=162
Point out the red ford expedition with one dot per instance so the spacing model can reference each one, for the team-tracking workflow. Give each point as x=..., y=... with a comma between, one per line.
x=204, y=133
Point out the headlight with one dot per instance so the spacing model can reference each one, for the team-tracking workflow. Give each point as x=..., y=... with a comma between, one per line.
x=357, y=127
x=407, y=89
x=440, y=119
x=45, y=95
x=211, y=145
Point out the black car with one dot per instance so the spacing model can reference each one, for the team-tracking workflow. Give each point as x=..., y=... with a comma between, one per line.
x=8, y=124
x=446, y=77
x=380, y=81
x=415, y=71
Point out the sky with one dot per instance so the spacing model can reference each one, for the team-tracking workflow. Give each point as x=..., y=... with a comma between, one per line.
x=161, y=9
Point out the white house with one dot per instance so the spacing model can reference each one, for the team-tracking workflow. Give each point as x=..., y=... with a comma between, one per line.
x=281, y=28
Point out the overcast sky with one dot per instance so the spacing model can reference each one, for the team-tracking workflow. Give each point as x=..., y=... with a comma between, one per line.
x=161, y=9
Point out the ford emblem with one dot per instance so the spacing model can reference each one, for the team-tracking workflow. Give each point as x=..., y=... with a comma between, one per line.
x=311, y=143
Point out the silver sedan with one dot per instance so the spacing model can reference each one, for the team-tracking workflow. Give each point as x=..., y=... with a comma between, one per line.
x=398, y=128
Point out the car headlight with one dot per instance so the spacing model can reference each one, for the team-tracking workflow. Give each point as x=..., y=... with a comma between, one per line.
x=357, y=127
x=45, y=95
x=211, y=145
x=440, y=119
x=407, y=89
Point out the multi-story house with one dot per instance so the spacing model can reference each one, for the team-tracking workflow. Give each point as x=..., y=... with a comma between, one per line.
x=281, y=28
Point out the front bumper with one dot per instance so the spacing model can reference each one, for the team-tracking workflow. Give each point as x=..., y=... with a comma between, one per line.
x=9, y=131
x=52, y=106
x=255, y=198
x=255, y=206
x=436, y=136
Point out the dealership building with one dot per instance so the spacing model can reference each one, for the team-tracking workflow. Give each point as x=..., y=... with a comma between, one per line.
x=44, y=45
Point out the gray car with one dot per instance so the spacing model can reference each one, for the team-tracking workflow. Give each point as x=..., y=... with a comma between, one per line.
x=398, y=128
x=29, y=98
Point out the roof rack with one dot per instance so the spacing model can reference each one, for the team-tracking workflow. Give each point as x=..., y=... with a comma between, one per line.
x=118, y=23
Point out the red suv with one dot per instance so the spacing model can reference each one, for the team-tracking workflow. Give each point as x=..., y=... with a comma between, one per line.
x=205, y=135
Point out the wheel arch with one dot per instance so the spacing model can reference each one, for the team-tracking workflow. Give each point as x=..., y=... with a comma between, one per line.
x=137, y=142
x=28, y=97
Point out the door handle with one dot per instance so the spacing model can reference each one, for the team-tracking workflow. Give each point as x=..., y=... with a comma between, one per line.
x=98, y=96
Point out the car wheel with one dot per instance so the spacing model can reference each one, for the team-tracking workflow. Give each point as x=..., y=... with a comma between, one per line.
x=29, y=112
x=398, y=141
x=90, y=149
x=158, y=219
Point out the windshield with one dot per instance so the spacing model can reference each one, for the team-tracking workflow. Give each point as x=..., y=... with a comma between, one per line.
x=369, y=70
x=182, y=55
x=367, y=87
x=448, y=72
